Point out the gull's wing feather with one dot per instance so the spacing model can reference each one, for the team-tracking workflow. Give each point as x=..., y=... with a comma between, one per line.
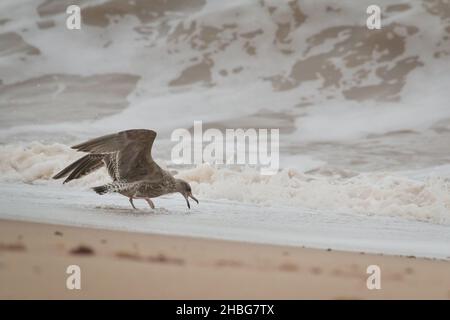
x=140, y=138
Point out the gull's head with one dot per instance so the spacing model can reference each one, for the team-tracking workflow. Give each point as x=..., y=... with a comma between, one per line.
x=185, y=189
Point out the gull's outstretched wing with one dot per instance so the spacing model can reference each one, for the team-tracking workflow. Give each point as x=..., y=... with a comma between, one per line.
x=130, y=152
x=118, y=141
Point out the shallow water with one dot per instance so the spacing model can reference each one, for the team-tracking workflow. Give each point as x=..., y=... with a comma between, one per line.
x=229, y=220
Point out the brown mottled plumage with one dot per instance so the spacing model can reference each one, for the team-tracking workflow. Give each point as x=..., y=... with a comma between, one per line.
x=128, y=159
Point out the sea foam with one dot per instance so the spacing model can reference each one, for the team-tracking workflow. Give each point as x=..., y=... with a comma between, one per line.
x=421, y=196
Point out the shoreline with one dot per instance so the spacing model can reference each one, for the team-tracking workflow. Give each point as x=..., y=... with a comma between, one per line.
x=124, y=265
x=289, y=226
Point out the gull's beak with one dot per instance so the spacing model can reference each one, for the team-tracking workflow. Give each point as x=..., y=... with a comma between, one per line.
x=187, y=196
x=192, y=197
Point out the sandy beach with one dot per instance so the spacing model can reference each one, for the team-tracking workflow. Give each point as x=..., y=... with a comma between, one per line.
x=115, y=264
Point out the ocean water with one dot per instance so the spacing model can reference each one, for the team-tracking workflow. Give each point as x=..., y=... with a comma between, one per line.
x=364, y=115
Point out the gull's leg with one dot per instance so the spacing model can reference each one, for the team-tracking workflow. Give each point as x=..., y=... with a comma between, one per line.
x=150, y=203
x=131, y=201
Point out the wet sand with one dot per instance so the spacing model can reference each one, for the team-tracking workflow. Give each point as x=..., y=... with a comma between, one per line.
x=114, y=264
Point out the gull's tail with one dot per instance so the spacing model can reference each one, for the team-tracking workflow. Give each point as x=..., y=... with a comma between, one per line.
x=116, y=186
x=101, y=189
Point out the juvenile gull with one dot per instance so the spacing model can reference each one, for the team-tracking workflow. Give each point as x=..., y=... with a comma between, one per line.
x=128, y=159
